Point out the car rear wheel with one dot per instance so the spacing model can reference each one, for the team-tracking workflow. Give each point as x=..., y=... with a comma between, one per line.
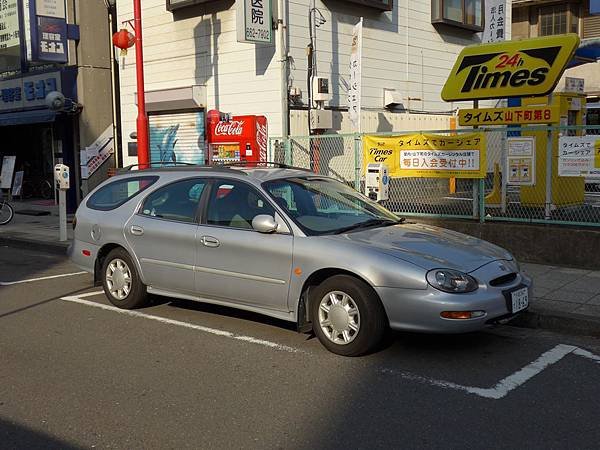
x=347, y=316
x=121, y=282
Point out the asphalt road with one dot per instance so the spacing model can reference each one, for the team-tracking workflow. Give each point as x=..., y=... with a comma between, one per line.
x=75, y=373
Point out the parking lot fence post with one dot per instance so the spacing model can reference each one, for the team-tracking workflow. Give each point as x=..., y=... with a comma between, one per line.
x=357, y=160
x=287, y=150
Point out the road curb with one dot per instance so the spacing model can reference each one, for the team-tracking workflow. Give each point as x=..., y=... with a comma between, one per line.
x=58, y=248
x=560, y=322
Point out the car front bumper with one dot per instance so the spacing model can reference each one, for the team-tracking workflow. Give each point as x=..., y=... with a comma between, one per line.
x=419, y=310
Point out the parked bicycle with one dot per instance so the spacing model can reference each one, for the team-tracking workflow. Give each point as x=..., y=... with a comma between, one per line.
x=37, y=188
x=6, y=212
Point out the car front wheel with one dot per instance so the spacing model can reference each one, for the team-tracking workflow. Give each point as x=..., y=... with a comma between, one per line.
x=121, y=281
x=347, y=316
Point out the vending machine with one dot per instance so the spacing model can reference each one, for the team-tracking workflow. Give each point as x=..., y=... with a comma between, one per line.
x=236, y=138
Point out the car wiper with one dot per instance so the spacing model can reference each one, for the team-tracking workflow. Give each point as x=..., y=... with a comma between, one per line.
x=369, y=223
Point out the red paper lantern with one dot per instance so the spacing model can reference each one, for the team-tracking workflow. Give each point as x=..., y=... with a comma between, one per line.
x=123, y=39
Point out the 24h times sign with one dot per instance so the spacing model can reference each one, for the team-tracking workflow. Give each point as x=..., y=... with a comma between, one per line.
x=254, y=21
x=530, y=67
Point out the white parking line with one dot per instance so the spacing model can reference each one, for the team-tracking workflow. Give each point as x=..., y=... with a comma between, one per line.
x=499, y=391
x=510, y=383
x=228, y=334
x=33, y=280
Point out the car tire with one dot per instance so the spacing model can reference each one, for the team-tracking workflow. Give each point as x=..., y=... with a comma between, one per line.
x=121, y=281
x=347, y=316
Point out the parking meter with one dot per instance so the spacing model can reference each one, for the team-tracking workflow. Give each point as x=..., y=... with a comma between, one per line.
x=62, y=177
x=62, y=180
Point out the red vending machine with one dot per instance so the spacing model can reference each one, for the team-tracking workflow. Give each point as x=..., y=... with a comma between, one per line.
x=241, y=138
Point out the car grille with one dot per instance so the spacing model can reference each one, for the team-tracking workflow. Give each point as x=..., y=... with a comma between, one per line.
x=504, y=279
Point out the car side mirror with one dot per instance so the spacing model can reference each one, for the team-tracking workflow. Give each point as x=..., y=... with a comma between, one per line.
x=263, y=223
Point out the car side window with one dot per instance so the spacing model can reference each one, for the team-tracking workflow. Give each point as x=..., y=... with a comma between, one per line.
x=234, y=204
x=177, y=201
x=118, y=192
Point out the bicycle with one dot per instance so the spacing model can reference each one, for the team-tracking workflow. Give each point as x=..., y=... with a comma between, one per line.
x=37, y=188
x=6, y=212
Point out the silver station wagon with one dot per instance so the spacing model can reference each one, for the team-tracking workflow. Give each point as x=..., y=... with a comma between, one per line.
x=290, y=244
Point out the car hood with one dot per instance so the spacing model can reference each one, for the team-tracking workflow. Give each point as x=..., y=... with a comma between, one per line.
x=427, y=246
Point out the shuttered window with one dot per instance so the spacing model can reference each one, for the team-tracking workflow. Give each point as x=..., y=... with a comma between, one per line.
x=591, y=26
x=177, y=137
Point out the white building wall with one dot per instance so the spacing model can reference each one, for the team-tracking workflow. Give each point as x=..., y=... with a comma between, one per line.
x=402, y=50
x=198, y=46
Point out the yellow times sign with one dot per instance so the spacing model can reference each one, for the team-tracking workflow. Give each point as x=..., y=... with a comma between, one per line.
x=522, y=115
x=529, y=67
x=428, y=155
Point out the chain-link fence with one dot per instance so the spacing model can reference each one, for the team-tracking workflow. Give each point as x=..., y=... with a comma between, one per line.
x=517, y=186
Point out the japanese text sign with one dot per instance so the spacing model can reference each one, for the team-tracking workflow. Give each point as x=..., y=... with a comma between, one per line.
x=495, y=21
x=428, y=155
x=354, y=90
x=579, y=156
x=254, y=21
x=9, y=24
x=525, y=115
x=530, y=67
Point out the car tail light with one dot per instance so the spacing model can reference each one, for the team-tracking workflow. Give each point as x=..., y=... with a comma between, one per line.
x=462, y=315
x=74, y=222
x=86, y=253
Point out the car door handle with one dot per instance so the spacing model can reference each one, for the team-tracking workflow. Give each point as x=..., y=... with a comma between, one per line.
x=137, y=231
x=209, y=241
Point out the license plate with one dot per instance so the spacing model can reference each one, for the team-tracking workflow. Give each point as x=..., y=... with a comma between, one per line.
x=519, y=299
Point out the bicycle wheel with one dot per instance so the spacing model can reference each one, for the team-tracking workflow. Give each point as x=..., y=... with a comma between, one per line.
x=46, y=190
x=6, y=213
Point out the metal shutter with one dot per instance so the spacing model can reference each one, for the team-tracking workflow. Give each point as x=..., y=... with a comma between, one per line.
x=178, y=137
x=591, y=27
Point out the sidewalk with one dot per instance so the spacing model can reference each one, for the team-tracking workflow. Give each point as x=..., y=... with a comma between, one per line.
x=564, y=299
x=41, y=232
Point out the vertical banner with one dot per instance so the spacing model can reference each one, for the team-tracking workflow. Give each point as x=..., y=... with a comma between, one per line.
x=10, y=43
x=354, y=90
x=495, y=21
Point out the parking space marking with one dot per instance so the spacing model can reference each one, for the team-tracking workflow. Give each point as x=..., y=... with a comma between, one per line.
x=510, y=383
x=223, y=333
x=497, y=392
x=33, y=280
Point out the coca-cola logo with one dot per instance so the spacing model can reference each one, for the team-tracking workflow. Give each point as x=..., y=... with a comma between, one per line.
x=233, y=128
x=261, y=140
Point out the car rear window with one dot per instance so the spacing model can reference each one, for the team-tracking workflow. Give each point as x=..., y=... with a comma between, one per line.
x=118, y=192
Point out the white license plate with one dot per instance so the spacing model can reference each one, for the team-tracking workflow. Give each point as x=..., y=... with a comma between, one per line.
x=520, y=299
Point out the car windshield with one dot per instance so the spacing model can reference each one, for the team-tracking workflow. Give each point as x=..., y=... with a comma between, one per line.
x=324, y=206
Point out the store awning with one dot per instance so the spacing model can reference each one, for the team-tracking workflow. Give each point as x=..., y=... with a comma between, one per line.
x=27, y=117
x=588, y=52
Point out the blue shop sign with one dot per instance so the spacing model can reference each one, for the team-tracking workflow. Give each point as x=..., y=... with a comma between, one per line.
x=28, y=92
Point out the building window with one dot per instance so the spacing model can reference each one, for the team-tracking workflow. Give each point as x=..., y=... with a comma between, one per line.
x=558, y=19
x=459, y=13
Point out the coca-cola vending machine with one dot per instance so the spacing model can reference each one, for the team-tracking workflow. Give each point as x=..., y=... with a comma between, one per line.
x=242, y=138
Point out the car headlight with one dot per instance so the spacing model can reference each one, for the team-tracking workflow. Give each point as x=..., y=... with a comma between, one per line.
x=449, y=280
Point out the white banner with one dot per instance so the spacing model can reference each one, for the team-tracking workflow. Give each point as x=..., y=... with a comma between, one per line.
x=9, y=24
x=92, y=157
x=8, y=169
x=579, y=156
x=354, y=89
x=51, y=8
x=254, y=21
x=495, y=21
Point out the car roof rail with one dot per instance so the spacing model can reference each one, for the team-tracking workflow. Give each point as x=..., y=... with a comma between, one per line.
x=260, y=164
x=156, y=164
